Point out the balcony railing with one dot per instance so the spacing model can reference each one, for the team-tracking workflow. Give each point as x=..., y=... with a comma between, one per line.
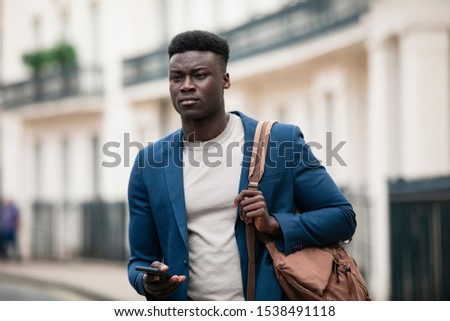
x=68, y=83
x=144, y=68
x=293, y=24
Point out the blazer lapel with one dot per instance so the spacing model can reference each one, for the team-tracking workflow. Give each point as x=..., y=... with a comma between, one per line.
x=239, y=228
x=175, y=183
x=249, y=133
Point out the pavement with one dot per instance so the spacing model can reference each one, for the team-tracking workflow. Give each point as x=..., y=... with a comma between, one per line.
x=94, y=280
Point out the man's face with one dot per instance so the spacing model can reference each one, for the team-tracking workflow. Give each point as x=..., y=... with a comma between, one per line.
x=196, y=83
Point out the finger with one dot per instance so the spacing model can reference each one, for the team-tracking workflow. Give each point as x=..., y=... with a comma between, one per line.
x=256, y=211
x=243, y=195
x=241, y=214
x=165, y=283
x=257, y=199
x=160, y=293
x=152, y=279
x=160, y=266
x=164, y=289
x=247, y=219
x=253, y=204
x=160, y=290
x=248, y=193
x=259, y=213
x=237, y=200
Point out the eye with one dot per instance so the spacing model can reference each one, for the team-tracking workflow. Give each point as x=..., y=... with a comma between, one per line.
x=201, y=75
x=175, y=77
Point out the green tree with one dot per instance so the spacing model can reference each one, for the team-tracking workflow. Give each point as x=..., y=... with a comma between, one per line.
x=64, y=55
x=37, y=60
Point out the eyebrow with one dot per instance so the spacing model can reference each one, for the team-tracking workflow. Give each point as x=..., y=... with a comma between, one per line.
x=194, y=69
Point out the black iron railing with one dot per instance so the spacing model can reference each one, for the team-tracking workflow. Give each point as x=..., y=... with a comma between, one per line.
x=297, y=22
x=145, y=68
x=293, y=24
x=67, y=83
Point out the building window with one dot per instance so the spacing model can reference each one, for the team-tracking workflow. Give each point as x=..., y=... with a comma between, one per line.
x=329, y=105
x=95, y=32
x=283, y=114
x=95, y=166
x=37, y=31
x=38, y=169
x=65, y=169
x=64, y=21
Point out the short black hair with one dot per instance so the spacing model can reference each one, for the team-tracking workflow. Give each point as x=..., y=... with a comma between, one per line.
x=202, y=41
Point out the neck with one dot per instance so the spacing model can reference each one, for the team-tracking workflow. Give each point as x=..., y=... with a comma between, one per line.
x=204, y=129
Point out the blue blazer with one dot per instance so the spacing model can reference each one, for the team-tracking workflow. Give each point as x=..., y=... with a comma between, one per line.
x=299, y=193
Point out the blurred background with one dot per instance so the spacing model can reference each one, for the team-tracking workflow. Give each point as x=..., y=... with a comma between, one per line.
x=84, y=85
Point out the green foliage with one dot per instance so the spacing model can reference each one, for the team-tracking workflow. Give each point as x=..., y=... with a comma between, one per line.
x=62, y=56
x=37, y=60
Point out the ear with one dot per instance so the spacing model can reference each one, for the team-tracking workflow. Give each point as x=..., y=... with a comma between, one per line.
x=226, y=81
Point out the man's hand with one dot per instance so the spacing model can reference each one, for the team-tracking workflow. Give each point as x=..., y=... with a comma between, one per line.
x=253, y=209
x=161, y=287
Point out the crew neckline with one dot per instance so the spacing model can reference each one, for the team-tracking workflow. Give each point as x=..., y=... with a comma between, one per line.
x=220, y=139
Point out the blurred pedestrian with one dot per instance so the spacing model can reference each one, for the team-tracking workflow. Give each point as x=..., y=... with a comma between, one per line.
x=2, y=245
x=9, y=227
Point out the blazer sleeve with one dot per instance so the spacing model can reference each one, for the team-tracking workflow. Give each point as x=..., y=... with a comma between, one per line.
x=324, y=215
x=142, y=234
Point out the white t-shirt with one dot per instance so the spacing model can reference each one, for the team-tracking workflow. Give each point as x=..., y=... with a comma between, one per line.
x=211, y=173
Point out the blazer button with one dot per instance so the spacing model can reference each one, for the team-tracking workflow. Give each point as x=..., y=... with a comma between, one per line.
x=185, y=263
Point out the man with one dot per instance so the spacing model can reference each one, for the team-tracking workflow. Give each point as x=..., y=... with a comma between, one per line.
x=9, y=226
x=186, y=190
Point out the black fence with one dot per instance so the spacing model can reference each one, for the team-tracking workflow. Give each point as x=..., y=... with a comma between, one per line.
x=420, y=239
x=104, y=230
x=43, y=230
x=95, y=229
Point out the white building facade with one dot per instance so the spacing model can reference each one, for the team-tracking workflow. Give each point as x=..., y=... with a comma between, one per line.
x=367, y=82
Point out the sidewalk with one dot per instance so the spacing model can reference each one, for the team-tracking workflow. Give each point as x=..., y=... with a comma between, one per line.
x=95, y=280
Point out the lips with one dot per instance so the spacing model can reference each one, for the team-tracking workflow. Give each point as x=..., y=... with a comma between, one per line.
x=188, y=100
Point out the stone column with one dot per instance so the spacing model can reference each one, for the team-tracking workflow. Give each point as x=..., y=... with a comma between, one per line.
x=425, y=111
x=382, y=63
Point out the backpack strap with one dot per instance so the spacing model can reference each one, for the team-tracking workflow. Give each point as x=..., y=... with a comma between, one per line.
x=256, y=172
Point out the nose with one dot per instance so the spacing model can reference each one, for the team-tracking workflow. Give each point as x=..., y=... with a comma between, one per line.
x=187, y=84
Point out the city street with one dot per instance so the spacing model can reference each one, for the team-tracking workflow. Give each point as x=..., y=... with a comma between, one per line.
x=92, y=280
x=16, y=289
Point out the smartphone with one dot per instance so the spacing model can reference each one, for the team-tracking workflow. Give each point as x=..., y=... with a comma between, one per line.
x=153, y=271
